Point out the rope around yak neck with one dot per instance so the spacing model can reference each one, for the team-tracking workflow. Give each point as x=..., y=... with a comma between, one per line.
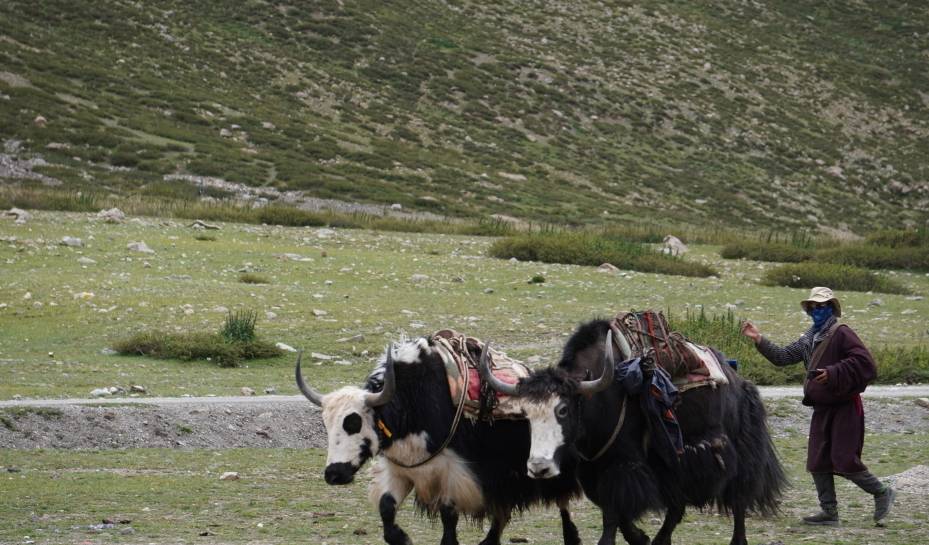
x=609, y=443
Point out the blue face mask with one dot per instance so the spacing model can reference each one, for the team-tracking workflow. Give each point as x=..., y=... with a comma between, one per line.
x=820, y=315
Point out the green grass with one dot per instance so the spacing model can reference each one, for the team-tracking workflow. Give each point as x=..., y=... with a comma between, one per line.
x=591, y=249
x=838, y=277
x=176, y=495
x=364, y=284
x=436, y=108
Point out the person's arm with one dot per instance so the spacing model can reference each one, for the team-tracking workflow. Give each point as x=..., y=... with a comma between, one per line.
x=780, y=356
x=855, y=370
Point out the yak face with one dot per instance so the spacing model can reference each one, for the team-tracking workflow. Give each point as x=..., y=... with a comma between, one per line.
x=552, y=421
x=349, y=423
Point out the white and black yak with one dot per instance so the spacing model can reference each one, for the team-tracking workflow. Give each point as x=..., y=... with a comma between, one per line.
x=728, y=460
x=405, y=417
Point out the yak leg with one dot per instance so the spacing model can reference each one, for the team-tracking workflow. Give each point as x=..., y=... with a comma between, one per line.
x=396, y=492
x=496, y=530
x=568, y=528
x=449, y=525
x=671, y=519
x=631, y=533
x=738, y=526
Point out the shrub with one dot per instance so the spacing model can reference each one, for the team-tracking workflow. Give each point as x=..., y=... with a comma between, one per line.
x=838, y=277
x=877, y=257
x=722, y=332
x=899, y=238
x=537, y=279
x=761, y=251
x=583, y=248
x=902, y=364
x=252, y=278
x=240, y=326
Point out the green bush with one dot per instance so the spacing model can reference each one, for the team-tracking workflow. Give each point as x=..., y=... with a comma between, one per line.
x=240, y=326
x=877, y=257
x=584, y=248
x=252, y=278
x=761, y=251
x=897, y=364
x=236, y=342
x=899, y=238
x=838, y=277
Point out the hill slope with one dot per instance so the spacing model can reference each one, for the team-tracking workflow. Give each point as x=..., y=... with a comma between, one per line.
x=782, y=113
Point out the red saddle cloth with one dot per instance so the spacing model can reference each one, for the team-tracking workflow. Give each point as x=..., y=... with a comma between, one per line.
x=462, y=355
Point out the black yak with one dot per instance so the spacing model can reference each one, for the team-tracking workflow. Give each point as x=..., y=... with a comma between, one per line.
x=728, y=459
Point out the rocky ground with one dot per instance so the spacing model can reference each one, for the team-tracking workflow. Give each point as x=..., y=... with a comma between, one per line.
x=286, y=422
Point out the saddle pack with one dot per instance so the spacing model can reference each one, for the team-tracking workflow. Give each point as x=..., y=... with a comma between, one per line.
x=648, y=335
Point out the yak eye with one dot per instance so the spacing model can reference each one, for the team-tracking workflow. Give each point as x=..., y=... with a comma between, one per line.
x=561, y=410
x=352, y=423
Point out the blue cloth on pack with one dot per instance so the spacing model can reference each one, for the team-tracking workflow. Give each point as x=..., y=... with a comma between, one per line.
x=658, y=397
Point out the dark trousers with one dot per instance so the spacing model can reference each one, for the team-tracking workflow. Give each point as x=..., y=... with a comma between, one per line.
x=825, y=487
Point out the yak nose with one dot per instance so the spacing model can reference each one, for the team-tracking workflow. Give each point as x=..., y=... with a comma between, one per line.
x=540, y=468
x=339, y=473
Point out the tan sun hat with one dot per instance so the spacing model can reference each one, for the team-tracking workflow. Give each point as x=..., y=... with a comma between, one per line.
x=822, y=295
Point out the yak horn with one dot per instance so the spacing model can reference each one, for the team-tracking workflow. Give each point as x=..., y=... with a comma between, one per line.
x=624, y=346
x=390, y=383
x=486, y=374
x=308, y=391
x=606, y=379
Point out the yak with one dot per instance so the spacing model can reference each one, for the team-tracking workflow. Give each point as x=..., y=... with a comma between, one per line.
x=728, y=459
x=405, y=417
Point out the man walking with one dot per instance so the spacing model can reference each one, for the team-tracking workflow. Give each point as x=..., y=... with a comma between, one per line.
x=839, y=368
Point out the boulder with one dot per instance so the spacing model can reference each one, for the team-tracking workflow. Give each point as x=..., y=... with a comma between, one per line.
x=673, y=246
x=113, y=215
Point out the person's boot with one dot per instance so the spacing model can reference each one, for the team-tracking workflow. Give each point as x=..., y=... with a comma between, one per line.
x=883, y=502
x=825, y=489
x=823, y=518
x=883, y=495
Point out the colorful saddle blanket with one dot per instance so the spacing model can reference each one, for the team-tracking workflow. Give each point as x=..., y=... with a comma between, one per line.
x=462, y=355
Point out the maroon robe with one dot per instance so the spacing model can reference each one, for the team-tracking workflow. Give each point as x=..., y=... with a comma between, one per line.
x=837, y=427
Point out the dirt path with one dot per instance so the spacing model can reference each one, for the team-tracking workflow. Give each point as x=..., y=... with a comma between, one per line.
x=293, y=422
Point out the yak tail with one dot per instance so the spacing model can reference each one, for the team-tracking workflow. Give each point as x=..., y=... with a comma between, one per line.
x=761, y=481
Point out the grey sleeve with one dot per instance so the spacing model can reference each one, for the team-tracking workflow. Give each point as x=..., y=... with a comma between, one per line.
x=780, y=356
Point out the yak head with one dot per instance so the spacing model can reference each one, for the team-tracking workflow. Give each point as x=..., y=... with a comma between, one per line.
x=550, y=399
x=349, y=417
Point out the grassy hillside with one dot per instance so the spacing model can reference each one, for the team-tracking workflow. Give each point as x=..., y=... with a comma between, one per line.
x=797, y=113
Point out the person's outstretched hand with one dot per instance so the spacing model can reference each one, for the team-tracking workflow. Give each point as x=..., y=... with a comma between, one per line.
x=750, y=331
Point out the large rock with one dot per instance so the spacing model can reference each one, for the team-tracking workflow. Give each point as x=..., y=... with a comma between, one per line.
x=673, y=246
x=20, y=215
x=113, y=215
x=140, y=247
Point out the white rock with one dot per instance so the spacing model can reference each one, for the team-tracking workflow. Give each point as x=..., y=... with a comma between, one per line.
x=21, y=215
x=246, y=391
x=86, y=261
x=396, y=206
x=221, y=309
x=607, y=268
x=270, y=315
x=317, y=312
x=229, y=476
x=140, y=247
x=285, y=347
x=113, y=215
x=417, y=278
x=923, y=402
x=325, y=233
x=674, y=246
x=100, y=392
x=322, y=357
